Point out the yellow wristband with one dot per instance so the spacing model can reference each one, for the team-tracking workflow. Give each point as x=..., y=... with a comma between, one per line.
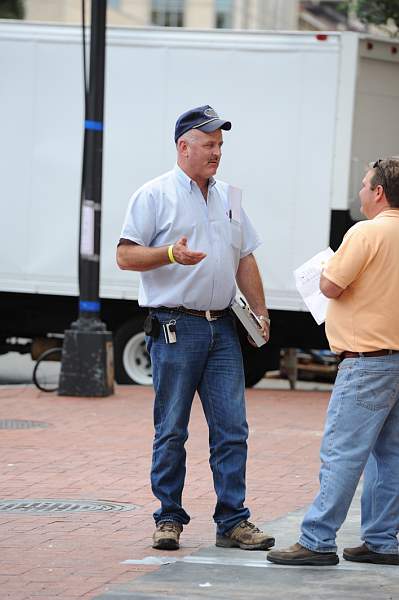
x=170, y=254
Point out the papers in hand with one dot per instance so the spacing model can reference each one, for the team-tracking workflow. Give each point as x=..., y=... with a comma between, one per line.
x=307, y=281
x=235, y=197
x=251, y=323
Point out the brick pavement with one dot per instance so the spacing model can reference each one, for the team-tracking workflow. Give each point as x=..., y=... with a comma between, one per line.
x=100, y=449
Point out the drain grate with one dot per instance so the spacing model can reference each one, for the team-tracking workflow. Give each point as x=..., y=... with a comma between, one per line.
x=46, y=505
x=21, y=424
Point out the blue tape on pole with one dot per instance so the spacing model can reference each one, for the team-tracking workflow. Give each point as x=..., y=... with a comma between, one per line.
x=87, y=306
x=95, y=125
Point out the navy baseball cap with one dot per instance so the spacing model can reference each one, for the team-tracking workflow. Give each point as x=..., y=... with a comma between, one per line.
x=204, y=118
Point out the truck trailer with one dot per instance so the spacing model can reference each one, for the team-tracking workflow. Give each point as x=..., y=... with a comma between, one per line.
x=309, y=112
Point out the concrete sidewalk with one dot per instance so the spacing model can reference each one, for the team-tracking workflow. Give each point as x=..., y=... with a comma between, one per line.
x=90, y=459
x=238, y=575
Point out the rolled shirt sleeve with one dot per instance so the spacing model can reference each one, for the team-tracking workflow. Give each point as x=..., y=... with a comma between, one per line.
x=140, y=220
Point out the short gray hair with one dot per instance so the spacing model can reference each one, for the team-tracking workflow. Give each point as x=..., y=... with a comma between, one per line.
x=188, y=136
x=386, y=174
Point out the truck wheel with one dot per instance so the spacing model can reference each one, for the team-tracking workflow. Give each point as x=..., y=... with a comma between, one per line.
x=132, y=361
x=258, y=360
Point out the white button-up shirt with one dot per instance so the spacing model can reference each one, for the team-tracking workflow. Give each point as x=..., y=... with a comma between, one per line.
x=172, y=206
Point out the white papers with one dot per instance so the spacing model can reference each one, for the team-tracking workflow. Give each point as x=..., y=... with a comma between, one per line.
x=307, y=281
x=235, y=196
x=87, y=231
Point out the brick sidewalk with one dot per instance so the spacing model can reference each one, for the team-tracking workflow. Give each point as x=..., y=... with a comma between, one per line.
x=100, y=449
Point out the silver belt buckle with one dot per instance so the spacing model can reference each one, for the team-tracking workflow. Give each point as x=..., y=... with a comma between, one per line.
x=208, y=316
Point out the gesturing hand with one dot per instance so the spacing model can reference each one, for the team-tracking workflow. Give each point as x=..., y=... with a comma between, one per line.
x=183, y=255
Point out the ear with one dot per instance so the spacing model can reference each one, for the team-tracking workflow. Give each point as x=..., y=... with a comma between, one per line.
x=380, y=194
x=182, y=145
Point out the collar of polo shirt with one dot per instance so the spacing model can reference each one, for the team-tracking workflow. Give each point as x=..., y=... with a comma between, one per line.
x=187, y=181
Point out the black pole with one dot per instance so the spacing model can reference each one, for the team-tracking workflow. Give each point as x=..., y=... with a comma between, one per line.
x=89, y=307
x=87, y=357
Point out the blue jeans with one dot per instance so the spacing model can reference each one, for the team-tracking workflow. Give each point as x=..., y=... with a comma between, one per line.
x=205, y=358
x=361, y=434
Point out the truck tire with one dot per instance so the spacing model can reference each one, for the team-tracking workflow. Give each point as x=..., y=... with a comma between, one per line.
x=258, y=360
x=132, y=361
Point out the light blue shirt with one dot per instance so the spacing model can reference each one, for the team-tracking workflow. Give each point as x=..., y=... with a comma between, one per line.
x=171, y=206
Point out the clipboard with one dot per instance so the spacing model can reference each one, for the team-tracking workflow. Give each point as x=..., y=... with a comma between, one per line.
x=241, y=309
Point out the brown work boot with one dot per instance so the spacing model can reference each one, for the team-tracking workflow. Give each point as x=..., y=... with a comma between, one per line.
x=299, y=555
x=245, y=536
x=364, y=554
x=166, y=535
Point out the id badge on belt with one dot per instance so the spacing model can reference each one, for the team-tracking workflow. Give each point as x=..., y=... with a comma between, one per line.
x=169, y=331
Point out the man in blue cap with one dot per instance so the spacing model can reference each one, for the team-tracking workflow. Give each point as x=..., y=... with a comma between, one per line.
x=188, y=235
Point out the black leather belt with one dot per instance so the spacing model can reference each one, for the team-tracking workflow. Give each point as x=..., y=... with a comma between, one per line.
x=348, y=354
x=206, y=314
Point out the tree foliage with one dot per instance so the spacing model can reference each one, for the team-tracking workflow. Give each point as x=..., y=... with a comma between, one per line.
x=377, y=12
x=11, y=9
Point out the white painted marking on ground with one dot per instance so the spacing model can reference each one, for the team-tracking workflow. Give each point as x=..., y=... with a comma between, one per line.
x=260, y=563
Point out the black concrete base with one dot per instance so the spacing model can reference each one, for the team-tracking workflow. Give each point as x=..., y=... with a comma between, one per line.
x=87, y=367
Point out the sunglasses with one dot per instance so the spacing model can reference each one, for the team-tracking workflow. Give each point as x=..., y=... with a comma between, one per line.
x=377, y=165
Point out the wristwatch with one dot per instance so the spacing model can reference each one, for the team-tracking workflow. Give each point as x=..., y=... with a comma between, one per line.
x=263, y=318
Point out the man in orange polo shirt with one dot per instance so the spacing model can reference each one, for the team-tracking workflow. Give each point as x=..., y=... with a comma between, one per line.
x=362, y=426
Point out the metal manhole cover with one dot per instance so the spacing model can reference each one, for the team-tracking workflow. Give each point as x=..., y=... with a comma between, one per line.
x=47, y=505
x=21, y=424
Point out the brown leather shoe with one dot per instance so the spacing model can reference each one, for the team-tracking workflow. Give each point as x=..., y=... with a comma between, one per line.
x=298, y=555
x=364, y=554
x=166, y=535
x=245, y=536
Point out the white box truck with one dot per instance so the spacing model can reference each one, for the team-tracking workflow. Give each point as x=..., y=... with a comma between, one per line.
x=308, y=110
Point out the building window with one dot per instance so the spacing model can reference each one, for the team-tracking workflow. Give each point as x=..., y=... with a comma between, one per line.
x=224, y=14
x=167, y=13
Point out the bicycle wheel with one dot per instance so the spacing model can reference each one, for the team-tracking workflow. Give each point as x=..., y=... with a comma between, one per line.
x=46, y=373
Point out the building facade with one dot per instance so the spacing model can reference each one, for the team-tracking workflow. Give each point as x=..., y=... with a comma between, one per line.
x=282, y=15
x=204, y=14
